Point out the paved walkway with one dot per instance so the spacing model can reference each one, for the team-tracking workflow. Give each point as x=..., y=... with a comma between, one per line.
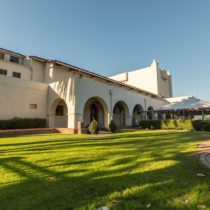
x=204, y=152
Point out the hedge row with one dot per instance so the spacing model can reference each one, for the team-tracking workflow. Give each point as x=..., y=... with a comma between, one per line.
x=201, y=125
x=21, y=123
x=198, y=125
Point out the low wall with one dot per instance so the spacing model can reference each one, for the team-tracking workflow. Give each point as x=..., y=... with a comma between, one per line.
x=19, y=132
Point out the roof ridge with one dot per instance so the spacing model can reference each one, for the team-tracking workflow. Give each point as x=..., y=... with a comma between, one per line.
x=10, y=51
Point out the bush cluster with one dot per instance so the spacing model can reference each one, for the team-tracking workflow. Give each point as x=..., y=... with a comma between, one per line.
x=177, y=124
x=197, y=125
x=112, y=126
x=93, y=127
x=150, y=124
x=21, y=123
x=201, y=125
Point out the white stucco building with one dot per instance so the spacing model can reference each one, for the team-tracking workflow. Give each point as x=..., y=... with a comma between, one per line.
x=151, y=78
x=34, y=87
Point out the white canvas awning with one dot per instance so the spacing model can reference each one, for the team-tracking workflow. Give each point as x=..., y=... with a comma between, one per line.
x=185, y=103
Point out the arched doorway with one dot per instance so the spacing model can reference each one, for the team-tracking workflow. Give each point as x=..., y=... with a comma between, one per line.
x=58, y=115
x=120, y=113
x=150, y=113
x=95, y=108
x=137, y=114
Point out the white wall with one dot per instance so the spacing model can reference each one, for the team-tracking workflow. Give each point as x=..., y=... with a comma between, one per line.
x=149, y=79
x=86, y=88
x=164, y=83
x=145, y=79
x=61, y=85
x=16, y=95
x=38, y=71
x=14, y=67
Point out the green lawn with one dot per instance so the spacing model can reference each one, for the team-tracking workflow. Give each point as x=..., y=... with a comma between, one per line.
x=124, y=171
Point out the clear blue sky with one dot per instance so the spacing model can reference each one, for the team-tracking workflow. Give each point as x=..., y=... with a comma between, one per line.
x=112, y=36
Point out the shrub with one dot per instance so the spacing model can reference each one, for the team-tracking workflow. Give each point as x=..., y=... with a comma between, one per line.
x=112, y=126
x=207, y=127
x=150, y=124
x=198, y=125
x=177, y=124
x=93, y=127
x=156, y=124
x=201, y=125
x=143, y=124
x=167, y=124
x=21, y=123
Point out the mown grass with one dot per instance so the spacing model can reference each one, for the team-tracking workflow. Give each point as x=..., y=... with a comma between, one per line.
x=124, y=171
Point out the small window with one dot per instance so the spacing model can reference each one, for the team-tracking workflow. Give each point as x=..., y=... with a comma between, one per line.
x=16, y=74
x=33, y=106
x=59, y=110
x=14, y=59
x=1, y=55
x=3, y=72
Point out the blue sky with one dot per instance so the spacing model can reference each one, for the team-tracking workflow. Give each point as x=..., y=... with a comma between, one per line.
x=112, y=36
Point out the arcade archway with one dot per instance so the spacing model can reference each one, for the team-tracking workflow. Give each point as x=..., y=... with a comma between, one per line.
x=95, y=108
x=138, y=114
x=120, y=114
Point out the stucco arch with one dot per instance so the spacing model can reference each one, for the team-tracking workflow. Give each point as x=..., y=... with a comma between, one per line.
x=58, y=114
x=138, y=114
x=95, y=107
x=121, y=114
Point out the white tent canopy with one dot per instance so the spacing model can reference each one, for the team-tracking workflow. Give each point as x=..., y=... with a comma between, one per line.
x=185, y=103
